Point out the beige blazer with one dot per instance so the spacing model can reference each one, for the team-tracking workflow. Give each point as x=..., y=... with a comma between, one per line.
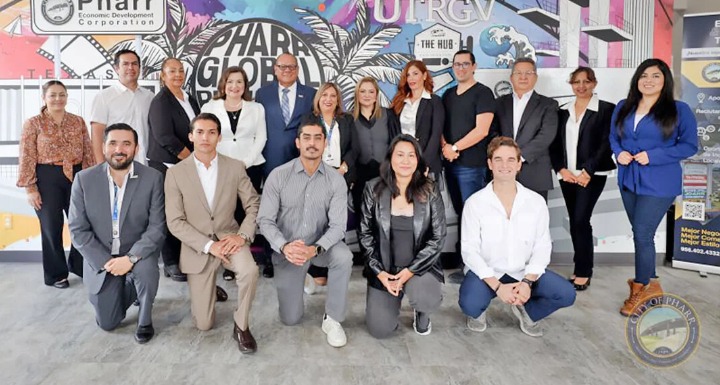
x=193, y=222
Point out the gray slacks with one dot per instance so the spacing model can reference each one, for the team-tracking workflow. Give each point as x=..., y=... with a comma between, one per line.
x=382, y=310
x=290, y=279
x=119, y=292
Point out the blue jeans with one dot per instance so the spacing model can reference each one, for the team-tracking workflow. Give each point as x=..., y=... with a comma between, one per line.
x=462, y=182
x=645, y=213
x=551, y=293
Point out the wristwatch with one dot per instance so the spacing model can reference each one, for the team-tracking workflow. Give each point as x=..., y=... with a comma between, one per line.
x=133, y=258
x=530, y=283
x=245, y=237
x=455, y=148
x=319, y=250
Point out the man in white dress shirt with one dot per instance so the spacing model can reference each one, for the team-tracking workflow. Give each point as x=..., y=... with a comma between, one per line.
x=506, y=248
x=124, y=102
x=201, y=195
x=531, y=119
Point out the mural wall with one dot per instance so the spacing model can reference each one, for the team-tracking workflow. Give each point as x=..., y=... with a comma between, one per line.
x=339, y=41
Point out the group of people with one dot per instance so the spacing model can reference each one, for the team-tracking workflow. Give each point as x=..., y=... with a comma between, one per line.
x=163, y=177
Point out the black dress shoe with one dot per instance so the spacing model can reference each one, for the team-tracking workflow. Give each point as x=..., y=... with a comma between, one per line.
x=582, y=287
x=228, y=275
x=143, y=334
x=220, y=294
x=246, y=341
x=268, y=271
x=62, y=284
x=173, y=271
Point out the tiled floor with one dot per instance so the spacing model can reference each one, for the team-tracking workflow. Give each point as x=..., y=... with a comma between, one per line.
x=48, y=336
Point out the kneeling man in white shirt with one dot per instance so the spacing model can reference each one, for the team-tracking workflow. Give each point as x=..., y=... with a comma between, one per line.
x=506, y=248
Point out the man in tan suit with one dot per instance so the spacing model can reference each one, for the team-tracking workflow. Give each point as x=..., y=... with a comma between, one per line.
x=201, y=194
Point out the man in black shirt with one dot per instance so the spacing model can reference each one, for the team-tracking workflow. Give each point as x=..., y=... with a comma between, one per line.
x=470, y=107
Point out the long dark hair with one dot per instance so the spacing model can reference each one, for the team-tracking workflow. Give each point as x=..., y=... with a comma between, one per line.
x=420, y=186
x=45, y=89
x=664, y=111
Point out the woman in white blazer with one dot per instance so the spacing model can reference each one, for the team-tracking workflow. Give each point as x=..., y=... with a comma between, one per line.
x=242, y=122
x=242, y=126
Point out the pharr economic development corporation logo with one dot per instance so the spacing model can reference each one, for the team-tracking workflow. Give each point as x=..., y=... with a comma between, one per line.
x=57, y=12
x=664, y=331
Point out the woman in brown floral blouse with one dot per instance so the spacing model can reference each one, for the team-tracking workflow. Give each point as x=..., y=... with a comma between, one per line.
x=54, y=146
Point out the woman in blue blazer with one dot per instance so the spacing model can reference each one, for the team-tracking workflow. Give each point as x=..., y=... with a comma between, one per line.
x=650, y=134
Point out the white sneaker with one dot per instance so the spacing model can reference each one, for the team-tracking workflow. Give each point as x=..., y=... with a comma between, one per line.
x=335, y=332
x=527, y=325
x=310, y=286
x=478, y=324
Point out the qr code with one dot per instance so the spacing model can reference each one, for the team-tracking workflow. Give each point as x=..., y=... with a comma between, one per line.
x=693, y=211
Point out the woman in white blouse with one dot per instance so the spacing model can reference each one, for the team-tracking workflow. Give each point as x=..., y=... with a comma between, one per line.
x=242, y=129
x=582, y=158
x=419, y=113
x=242, y=122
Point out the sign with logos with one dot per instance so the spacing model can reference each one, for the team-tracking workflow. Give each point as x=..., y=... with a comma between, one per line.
x=697, y=225
x=98, y=17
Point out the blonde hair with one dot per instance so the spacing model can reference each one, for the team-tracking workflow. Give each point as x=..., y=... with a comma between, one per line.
x=316, y=101
x=377, y=111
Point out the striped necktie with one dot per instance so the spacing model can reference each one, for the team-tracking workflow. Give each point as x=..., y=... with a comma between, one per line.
x=285, y=105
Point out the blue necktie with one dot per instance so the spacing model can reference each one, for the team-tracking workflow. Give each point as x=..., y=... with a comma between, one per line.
x=285, y=105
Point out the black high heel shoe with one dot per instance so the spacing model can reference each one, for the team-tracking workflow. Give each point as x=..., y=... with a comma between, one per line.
x=584, y=286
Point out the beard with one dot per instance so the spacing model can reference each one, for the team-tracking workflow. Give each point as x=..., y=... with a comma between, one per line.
x=119, y=165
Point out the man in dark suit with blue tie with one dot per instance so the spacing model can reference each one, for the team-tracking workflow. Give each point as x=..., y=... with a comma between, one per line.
x=285, y=101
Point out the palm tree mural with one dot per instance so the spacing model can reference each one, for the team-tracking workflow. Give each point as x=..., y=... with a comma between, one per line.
x=180, y=40
x=348, y=55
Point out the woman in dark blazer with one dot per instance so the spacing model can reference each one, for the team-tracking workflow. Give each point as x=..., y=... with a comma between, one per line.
x=418, y=112
x=340, y=152
x=581, y=156
x=402, y=233
x=171, y=111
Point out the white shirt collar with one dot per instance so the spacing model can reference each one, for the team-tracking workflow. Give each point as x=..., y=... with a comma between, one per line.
x=525, y=96
x=213, y=162
x=130, y=174
x=593, y=105
x=424, y=95
x=292, y=88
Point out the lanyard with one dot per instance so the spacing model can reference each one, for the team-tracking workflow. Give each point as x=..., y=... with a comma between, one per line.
x=329, y=130
x=115, y=215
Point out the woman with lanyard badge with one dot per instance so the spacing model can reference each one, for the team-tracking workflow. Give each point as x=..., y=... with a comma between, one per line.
x=340, y=151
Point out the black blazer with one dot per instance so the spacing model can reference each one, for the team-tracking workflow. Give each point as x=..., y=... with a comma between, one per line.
x=348, y=140
x=537, y=130
x=169, y=127
x=429, y=123
x=593, y=148
x=428, y=227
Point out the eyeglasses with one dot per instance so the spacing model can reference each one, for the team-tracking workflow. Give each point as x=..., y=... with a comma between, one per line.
x=526, y=73
x=583, y=82
x=286, y=67
x=464, y=65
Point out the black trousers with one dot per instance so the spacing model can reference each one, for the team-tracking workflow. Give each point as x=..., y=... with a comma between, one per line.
x=171, y=247
x=55, y=189
x=256, y=175
x=580, y=202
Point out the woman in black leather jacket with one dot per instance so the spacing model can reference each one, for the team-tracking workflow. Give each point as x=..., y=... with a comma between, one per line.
x=402, y=232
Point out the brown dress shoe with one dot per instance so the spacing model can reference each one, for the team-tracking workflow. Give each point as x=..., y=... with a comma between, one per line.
x=639, y=294
x=220, y=294
x=245, y=339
